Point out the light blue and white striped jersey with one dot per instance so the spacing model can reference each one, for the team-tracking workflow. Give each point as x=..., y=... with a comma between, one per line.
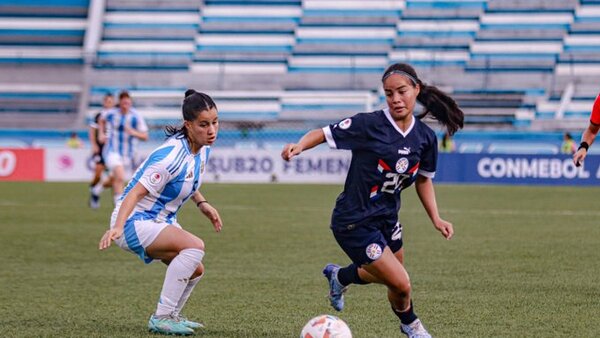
x=171, y=174
x=118, y=140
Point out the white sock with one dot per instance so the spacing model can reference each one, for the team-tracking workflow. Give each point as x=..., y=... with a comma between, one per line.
x=177, y=279
x=98, y=188
x=186, y=294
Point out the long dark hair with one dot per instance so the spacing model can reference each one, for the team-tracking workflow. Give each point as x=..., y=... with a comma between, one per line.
x=193, y=104
x=437, y=103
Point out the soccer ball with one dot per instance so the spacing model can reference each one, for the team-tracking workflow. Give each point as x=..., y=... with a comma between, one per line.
x=326, y=326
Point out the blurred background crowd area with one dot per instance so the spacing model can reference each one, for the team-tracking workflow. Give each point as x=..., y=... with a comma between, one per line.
x=525, y=72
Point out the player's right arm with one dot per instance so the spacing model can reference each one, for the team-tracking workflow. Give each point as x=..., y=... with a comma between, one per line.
x=589, y=135
x=131, y=200
x=92, y=138
x=102, y=129
x=310, y=140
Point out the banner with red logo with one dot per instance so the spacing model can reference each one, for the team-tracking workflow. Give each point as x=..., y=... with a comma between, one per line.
x=21, y=164
x=68, y=165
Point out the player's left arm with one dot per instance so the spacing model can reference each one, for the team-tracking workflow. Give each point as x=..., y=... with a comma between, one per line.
x=424, y=187
x=142, y=135
x=139, y=129
x=208, y=210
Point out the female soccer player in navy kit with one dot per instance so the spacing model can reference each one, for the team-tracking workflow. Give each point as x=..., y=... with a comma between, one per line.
x=391, y=149
x=144, y=221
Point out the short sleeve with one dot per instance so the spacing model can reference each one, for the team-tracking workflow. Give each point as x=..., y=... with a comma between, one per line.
x=155, y=177
x=595, y=116
x=428, y=162
x=346, y=134
x=140, y=124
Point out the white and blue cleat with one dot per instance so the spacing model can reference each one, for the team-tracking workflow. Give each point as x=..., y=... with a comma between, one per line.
x=336, y=290
x=415, y=330
x=168, y=325
x=189, y=323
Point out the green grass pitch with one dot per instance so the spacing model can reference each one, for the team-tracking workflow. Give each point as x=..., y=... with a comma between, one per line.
x=525, y=262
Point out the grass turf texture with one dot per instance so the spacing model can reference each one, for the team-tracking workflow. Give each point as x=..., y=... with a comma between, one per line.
x=524, y=262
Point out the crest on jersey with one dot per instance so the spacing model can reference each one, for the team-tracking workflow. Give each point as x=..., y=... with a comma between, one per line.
x=155, y=178
x=345, y=124
x=402, y=165
x=202, y=167
x=374, y=251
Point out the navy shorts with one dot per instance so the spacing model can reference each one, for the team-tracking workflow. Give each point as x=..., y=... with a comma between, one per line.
x=364, y=242
x=98, y=158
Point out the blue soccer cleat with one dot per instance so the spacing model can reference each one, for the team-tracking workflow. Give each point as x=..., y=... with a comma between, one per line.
x=94, y=201
x=415, y=330
x=336, y=290
x=168, y=325
x=189, y=323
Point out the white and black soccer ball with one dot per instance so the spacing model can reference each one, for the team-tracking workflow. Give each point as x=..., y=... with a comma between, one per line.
x=326, y=326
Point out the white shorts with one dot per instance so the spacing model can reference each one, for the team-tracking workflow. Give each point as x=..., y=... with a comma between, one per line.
x=113, y=160
x=138, y=234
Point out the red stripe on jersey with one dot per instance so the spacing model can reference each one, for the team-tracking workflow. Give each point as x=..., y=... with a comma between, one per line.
x=374, y=191
x=414, y=169
x=384, y=165
x=595, y=117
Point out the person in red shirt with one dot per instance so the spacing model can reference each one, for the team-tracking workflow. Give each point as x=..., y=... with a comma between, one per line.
x=589, y=135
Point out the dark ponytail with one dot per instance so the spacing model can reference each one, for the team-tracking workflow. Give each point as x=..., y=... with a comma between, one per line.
x=193, y=104
x=437, y=103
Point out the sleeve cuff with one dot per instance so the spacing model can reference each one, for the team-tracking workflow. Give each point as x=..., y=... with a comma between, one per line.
x=329, y=137
x=430, y=174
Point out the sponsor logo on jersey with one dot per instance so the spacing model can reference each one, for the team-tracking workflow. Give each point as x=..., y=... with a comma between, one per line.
x=190, y=174
x=374, y=251
x=402, y=165
x=155, y=178
x=404, y=151
x=202, y=167
x=345, y=124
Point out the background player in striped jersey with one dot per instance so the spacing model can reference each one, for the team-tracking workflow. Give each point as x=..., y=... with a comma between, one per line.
x=589, y=135
x=123, y=126
x=391, y=149
x=144, y=221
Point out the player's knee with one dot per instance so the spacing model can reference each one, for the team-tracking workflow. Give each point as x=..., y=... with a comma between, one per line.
x=196, y=243
x=401, y=288
x=193, y=256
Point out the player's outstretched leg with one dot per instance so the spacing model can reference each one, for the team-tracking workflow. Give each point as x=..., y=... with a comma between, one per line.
x=168, y=325
x=336, y=289
x=415, y=330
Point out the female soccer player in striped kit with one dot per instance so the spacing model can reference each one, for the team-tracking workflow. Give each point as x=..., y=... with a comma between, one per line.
x=144, y=221
x=391, y=149
x=124, y=127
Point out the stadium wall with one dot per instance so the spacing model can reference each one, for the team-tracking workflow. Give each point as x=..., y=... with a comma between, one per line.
x=319, y=166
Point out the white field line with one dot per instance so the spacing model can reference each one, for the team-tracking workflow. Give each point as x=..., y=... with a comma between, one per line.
x=235, y=207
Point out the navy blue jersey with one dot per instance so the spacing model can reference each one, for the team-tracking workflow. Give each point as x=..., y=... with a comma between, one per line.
x=385, y=160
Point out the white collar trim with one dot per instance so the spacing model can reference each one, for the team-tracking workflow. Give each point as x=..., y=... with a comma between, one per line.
x=386, y=111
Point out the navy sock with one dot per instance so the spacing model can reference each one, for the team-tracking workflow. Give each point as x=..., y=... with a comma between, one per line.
x=407, y=316
x=349, y=275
